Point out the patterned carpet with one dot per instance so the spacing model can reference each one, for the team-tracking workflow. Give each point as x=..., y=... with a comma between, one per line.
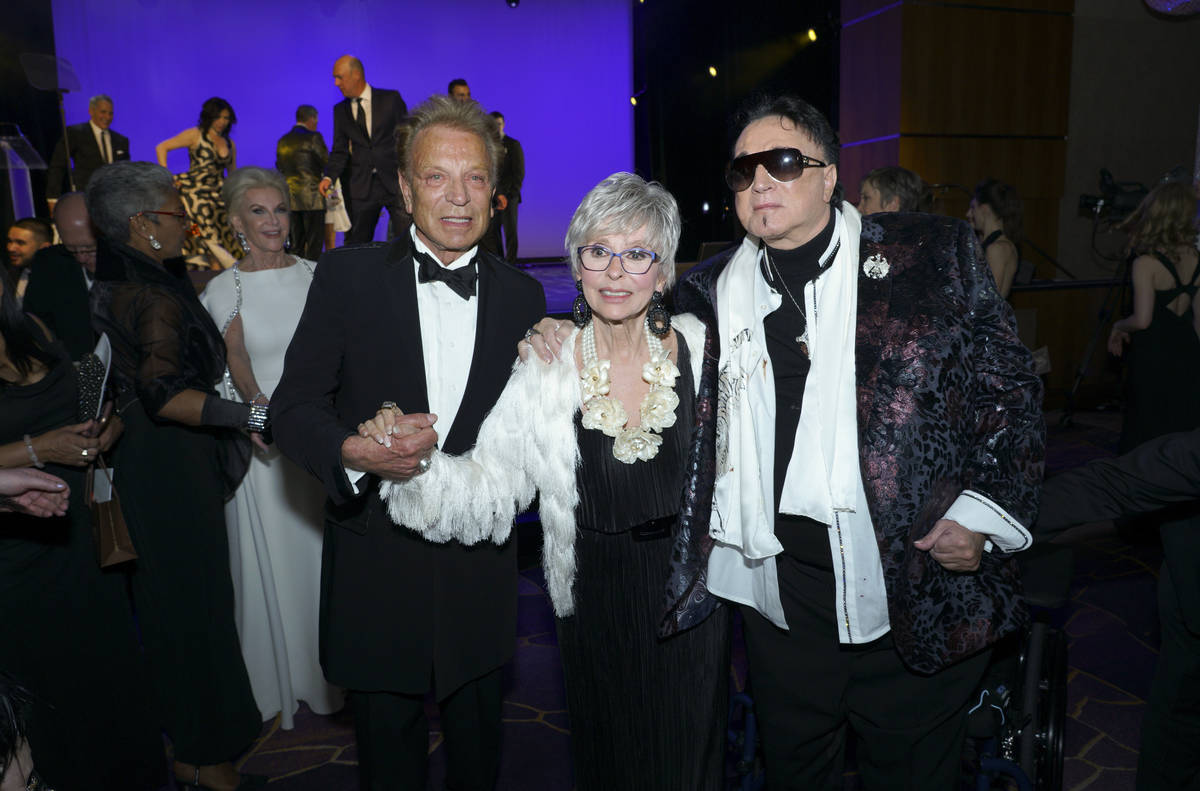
x=1109, y=621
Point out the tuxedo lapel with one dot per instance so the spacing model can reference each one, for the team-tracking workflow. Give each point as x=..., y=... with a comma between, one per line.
x=401, y=297
x=378, y=112
x=487, y=353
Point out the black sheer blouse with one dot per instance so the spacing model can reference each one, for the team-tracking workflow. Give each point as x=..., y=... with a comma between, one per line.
x=614, y=496
x=163, y=340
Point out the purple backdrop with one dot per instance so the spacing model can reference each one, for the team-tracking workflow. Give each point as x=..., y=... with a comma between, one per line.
x=559, y=70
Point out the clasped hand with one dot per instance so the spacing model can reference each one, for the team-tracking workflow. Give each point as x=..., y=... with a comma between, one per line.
x=391, y=444
x=953, y=546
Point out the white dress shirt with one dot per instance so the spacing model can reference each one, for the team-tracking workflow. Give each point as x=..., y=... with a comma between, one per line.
x=103, y=142
x=366, y=106
x=448, y=325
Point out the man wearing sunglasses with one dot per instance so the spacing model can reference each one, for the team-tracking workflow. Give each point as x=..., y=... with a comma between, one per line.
x=878, y=448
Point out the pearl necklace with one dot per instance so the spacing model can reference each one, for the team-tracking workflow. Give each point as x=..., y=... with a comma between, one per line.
x=607, y=414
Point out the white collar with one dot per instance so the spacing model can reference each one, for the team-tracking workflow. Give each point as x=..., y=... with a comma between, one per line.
x=365, y=95
x=96, y=131
x=458, y=263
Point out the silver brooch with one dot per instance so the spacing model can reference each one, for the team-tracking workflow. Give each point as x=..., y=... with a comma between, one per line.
x=876, y=267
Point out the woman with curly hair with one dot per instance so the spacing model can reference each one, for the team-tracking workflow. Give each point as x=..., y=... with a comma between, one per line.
x=212, y=155
x=1163, y=331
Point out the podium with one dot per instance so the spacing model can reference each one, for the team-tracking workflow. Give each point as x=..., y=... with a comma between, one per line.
x=17, y=158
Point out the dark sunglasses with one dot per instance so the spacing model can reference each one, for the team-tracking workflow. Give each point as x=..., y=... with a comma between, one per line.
x=783, y=164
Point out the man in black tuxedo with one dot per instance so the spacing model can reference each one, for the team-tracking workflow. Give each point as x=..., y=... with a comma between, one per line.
x=508, y=194
x=426, y=323
x=300, y=156
x=92, y=144
x=364, y=151
x=61, y=276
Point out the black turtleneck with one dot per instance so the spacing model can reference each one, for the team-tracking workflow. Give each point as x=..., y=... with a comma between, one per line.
x=790, y=361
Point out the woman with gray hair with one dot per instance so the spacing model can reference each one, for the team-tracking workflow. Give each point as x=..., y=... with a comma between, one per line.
x=183, y=452
x=275, y=519
x=602, y=435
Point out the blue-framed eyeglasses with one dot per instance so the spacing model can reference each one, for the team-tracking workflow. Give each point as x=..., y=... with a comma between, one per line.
x=635, y=260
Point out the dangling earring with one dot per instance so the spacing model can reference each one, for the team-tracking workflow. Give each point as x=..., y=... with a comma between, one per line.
x=287, y=244
x=581, y=311
x=658, y=320
x=241, y=237
x=154, y=243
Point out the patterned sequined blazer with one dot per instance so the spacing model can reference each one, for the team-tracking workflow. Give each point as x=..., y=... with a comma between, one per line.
x=947, y=401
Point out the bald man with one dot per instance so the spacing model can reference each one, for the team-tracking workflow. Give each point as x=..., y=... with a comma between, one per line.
x=61, y=277
x=364, y=152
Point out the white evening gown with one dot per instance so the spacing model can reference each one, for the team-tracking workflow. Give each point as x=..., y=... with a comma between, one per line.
x=275, y=519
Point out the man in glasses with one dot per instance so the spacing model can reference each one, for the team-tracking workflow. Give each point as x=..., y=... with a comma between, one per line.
x=61, y=277
x=867, y=530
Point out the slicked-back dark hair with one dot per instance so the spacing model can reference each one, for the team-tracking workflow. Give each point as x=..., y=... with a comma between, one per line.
x=22, y=338
x=806, y=118
x=304, y=112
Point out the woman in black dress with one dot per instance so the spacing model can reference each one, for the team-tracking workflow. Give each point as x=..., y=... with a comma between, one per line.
x=603, y=436
x=179, y=459
x=996, y=214
x=1163, y=332
x=69, y=634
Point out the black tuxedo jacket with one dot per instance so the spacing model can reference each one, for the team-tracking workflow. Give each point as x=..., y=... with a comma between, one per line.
x=58, y=295
x=512, y=170
x=300, y=156
x=354, y=158
x=397, y=610
x=85, y=153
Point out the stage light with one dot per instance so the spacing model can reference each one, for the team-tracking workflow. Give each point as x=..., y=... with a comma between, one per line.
x=513, y=3
x=704, y=208
x=633, y=100
x=812, y=34
x=712, y=71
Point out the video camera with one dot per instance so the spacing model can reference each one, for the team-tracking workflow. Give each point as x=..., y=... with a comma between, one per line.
x=1116, y=199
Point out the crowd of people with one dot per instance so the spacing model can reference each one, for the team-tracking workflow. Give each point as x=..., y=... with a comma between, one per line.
x=836, y=433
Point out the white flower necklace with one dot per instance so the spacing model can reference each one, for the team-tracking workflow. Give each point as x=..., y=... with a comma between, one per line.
x=607, y=414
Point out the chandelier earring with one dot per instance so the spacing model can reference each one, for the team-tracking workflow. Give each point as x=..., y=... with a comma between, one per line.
x=241, y=237
x=154, y=243
x=581, y=311
x=658, y=320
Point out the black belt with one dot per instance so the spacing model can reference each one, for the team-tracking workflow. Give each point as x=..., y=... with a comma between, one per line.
x=663, y=527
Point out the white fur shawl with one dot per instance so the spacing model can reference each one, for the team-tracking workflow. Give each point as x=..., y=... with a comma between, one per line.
x=526, y=445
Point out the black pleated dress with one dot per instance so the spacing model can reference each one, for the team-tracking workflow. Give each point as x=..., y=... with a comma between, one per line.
x=645, y=713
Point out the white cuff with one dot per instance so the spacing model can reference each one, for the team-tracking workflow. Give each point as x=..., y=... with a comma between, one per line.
x=980, y=515
x=356, y=478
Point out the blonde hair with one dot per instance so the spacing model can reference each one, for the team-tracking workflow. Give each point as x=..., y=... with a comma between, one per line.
x=1165, y=219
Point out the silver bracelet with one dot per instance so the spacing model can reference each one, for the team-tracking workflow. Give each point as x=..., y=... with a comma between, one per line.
x=33, y=454
x=259, y=417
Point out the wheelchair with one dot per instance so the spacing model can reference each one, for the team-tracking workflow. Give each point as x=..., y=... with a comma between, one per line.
x=1017, y=722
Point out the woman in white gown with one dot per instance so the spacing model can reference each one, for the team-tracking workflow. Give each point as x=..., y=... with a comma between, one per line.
x=275, y=519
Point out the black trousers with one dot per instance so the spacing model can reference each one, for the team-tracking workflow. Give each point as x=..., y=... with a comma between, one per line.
x=809, y=690
x=364, y=215
x=392, y=732
x=307, y=233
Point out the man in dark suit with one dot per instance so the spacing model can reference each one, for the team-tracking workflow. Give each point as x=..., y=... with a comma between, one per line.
x=300, y=156
x=61, y=277
x=426, y=323
x=868, y=530
x=364, y=151
x=508, y=194
x=92, y=144
x=1161, y=472
x=24, y=239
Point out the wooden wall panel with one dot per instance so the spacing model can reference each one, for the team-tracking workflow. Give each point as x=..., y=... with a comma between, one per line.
x=969, y=71
x=856, y=161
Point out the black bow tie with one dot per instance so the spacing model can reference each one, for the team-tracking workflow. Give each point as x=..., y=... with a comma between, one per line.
x=461, y=281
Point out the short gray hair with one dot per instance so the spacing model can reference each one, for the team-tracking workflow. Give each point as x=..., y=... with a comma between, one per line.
x=245, y=179
x=444, y=111
x=624, y=203
x=100, y=97
x=117, y=192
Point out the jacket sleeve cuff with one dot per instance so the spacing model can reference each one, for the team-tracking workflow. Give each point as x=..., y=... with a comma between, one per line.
x=980, y=515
